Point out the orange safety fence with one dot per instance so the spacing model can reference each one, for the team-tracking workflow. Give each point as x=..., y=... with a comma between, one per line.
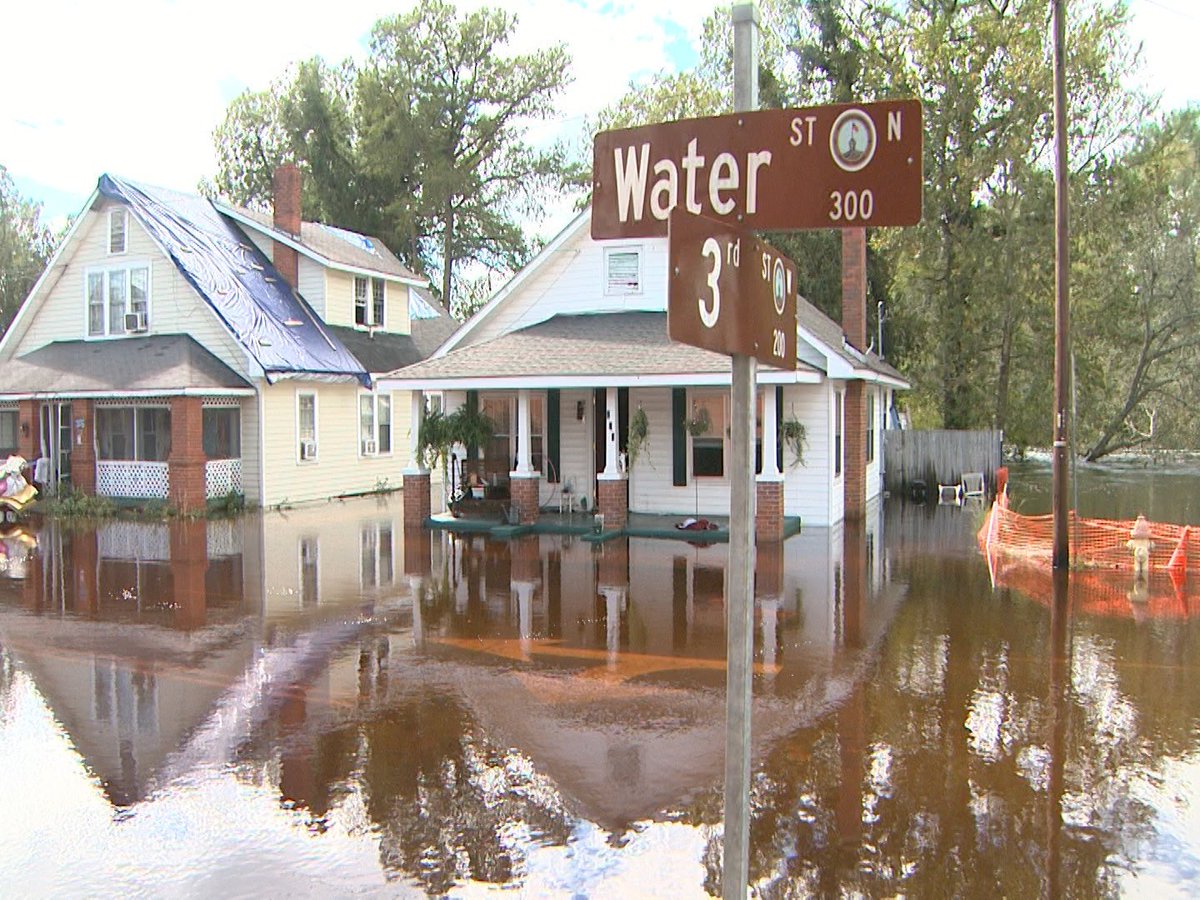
x=1094, y=543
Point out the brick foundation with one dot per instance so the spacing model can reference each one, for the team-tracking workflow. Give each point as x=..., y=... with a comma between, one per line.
x=83, y=448
x=768, y=513
x=524, y=490
x=613, y=502
x=27, y=430
x=417, y=503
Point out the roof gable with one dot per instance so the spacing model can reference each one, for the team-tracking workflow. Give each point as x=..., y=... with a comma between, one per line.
x=269, y=319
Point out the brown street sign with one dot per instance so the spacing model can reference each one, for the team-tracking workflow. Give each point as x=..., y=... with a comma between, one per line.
x=839, y=166
x=730, y=292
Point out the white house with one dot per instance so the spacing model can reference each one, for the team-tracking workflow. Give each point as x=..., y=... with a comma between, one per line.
x=575, y=343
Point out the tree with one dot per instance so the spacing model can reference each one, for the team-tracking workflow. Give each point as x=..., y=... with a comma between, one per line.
x=423, y=144
x=25, y=247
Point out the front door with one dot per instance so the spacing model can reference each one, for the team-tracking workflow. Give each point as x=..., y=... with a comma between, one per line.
x=55, y=422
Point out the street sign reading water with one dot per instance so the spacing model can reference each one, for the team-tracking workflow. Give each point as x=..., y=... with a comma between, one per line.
x=730, y=292
x=839, y=166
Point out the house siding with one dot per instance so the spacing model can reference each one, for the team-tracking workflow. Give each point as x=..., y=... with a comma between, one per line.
x=572, y=282
x=339, y=468
x=311, y=279
x=339, y=302
x=175, y=307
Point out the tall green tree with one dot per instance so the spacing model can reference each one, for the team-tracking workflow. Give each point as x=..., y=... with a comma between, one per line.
x=422, y=144
x=25, y=247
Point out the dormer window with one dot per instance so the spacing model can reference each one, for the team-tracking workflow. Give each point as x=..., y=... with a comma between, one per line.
x=622, y=271
x=117, y=221
x=370, y=295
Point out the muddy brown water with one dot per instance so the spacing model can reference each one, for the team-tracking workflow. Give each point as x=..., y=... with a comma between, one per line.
x=313, y=702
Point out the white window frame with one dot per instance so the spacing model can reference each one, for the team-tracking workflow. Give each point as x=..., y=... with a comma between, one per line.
x=105, y=273
x=838, y=428
x=116, y=214
x=300, y=437
x=369, y=286
x=611, y=290
x=378, y=400
x=720, y=432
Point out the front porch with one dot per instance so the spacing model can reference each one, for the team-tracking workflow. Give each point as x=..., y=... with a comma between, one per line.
x=490, y=520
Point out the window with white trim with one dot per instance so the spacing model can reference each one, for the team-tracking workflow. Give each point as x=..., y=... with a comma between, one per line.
x=306, y=426
x=838, y=415
x=708, y=446
x=221, y=429
x=118, y=300
x=374, y=424
x=370, y=300
x=8, y=431
x=133, y=433
x=118, y=222
x=870, y=425
x=377, y=555
x=622, y=271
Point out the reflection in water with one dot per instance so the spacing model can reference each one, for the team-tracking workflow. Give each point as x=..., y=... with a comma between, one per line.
x=320, y=697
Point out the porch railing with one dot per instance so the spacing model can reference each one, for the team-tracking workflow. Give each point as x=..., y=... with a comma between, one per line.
x=132, y=478
x=222, y=476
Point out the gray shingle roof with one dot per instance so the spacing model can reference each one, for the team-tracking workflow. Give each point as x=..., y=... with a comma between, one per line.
x=168, y=363
x=830, y=333
x=335, y=244
x=601, y=344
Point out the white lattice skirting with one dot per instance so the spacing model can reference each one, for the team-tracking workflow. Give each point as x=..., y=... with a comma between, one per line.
x=221, y=476
x=143, y=480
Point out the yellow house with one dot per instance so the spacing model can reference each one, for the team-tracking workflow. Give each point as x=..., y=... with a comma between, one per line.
x=182, y=349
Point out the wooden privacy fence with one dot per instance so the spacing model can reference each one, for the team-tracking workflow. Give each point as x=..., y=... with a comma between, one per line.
x=939, y=457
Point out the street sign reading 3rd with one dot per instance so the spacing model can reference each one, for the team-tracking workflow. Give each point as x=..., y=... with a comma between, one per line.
x=838, y=166
x=730, y=292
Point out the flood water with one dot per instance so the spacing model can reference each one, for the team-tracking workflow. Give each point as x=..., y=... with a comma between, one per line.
x=315, y=703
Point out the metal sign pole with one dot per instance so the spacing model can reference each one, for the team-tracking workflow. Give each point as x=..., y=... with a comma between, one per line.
x=739, y=587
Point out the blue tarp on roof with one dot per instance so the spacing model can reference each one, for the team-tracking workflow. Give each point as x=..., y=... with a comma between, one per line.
x=272, y=321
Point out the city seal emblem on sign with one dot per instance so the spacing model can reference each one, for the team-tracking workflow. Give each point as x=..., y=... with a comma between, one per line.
x=852, y=140
x=779, y=287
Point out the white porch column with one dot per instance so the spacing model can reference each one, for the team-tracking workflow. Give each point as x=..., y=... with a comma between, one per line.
x=610, y=434
x=770, y=435
x=524, y=456
x=417, y=416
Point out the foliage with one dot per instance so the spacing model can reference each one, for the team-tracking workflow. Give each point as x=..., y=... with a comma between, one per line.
x=699, y=422
x=795, y=438
x=441, y=431
x=638, y=435
x=422, y=144
x=25, y=247
x=74, y=504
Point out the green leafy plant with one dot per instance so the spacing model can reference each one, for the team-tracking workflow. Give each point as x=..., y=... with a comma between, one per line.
x=698, y=422
x=639, y=435
x=441, y=431
x=794, y=437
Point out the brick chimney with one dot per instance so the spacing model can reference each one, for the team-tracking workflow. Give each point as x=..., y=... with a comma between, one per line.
x=854, y=287
x=285, y=186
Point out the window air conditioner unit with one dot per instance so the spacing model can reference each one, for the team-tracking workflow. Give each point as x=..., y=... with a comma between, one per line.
x=135, y=321
x=308, y=449
x=369, y=448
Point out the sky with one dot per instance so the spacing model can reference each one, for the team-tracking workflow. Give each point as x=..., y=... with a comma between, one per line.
x=136, y=87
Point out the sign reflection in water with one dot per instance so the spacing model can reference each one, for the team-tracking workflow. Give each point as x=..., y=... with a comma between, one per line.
x=914, y=730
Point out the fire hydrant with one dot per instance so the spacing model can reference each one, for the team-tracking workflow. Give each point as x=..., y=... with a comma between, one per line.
x=1139, y=544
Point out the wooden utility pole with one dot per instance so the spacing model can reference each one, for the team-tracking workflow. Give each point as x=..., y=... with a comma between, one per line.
x=1062, y=308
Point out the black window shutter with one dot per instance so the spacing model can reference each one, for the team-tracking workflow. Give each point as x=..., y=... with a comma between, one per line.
x=473, y=407
x=552, y=412
x=678, y=437
x=622, y=418
x=778, y=420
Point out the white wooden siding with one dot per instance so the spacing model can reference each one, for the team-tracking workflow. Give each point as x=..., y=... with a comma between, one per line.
x=338, y=468
x=339, y=302
x=175, y=307
x=571, y=282
x=311, y=285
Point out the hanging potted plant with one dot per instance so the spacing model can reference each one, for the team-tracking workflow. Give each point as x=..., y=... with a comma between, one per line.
x=441, y=431
x=639, y=433
x=794, y=437
x=698, y=423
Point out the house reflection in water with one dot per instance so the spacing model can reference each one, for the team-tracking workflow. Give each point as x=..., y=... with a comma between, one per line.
x=444, y=686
